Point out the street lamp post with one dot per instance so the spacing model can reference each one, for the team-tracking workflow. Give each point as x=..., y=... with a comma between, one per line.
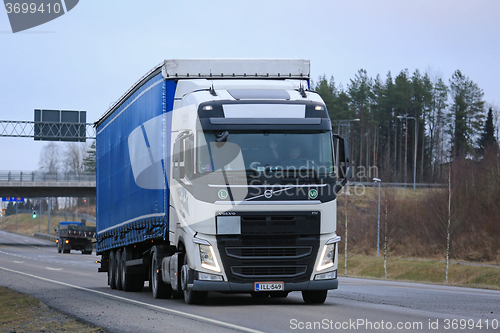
x=415, y=155
x=378, y=180
x=344, y=122
x=341, y=122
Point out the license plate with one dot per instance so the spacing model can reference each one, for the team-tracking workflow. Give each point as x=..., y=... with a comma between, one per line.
x=269, y=286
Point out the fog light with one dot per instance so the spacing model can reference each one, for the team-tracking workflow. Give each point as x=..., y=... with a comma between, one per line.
x=326, y=276
x=209, y=277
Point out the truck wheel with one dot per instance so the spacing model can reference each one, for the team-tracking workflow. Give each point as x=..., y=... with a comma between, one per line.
x=159, y=288
x=118, y=269
x=314, y=296
x=130, y=282
x=191, y=296
x=111, y=270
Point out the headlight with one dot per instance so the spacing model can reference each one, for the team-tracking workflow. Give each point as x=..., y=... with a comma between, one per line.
x=208, y=259
x=327, y=257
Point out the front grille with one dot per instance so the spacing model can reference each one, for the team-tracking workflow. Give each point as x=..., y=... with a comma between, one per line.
x=251, y=272
x=250, y=258
x=280, y=223
x=272, y=246
x=291, y=252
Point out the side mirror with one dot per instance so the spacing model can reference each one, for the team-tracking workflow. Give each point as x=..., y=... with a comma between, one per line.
x=343, y=162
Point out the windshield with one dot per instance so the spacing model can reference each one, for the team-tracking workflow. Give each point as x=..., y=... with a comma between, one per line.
x=269, y=151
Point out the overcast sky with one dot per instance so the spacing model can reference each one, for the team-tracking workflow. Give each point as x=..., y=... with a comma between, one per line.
x=87, y=58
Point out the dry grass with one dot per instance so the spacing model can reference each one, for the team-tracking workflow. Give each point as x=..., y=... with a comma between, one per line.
x=26, y=225
x=418, y=270
x=21, y=313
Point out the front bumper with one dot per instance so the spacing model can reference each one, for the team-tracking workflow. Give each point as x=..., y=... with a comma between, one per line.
x=225, y=286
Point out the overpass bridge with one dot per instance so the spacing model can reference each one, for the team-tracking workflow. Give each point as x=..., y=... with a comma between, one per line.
x=31, y=184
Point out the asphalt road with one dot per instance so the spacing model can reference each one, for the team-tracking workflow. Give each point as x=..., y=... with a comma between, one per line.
x=70, y=283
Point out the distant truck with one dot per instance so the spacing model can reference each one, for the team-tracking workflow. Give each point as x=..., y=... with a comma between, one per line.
x=75, y=236
x=220, y=175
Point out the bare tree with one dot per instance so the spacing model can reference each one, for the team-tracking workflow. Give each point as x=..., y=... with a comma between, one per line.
x=50, y=158
x=388, y=205
x=74, y=156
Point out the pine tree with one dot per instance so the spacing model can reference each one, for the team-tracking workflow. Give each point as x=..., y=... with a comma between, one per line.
x=437, y=125
x=89, y=162
x=487, y=139
x=466, y=112
x=11, y=209
x=361, y=98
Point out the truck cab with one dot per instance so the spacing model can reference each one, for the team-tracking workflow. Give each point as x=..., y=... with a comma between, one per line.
x=75, y=236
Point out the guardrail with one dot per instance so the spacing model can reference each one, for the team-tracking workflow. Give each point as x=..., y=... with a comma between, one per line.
x=398, y=185
x=46, y=237
x=39, y=176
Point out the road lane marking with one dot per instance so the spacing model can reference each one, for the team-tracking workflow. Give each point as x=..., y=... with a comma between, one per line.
x=53, y=269
x=18, y=262
x=156, y=307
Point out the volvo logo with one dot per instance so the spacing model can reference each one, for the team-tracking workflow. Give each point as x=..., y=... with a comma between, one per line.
x=268, y=193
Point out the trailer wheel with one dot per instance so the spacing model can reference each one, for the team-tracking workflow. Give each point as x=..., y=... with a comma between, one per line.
x=111, y=270
x=314, y=296
x=159, y=288
x=191, y=296
x=118, y=269
x=130, y=282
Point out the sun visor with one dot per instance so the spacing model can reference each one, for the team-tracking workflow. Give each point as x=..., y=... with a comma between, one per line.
x=264, y=110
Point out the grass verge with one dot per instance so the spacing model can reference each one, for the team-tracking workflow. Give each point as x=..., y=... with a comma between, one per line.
x=418, y=270
x=21, y=313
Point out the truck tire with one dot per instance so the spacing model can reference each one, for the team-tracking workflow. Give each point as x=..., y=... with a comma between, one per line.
x=118, y=269
x=130, y=282
x=191, y=296
x=314, y=296
x=112, y=270
x=159, y=288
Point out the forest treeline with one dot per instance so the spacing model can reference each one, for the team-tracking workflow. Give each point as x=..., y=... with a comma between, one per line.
x=383, y=118
x=456, y=145
x=418, y=223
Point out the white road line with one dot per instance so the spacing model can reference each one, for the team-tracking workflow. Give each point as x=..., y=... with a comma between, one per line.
x=156, y=307
x=18, y=262
x=53, y=269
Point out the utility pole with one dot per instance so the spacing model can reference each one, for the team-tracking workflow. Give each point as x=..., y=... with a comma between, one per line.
x=49, y=202
x=16, y=216
x=40, y=219
x=415, y=155
x=378, y=180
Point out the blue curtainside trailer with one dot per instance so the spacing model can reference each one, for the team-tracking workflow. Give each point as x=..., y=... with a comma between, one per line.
x=220, y=175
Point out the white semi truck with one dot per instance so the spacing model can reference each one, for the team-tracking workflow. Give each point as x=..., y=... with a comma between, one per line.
x=220, y=175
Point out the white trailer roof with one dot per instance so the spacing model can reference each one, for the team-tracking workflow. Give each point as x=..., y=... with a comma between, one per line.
x=240, y=68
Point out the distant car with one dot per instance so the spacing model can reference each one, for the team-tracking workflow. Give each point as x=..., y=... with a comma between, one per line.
x=75, y=236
